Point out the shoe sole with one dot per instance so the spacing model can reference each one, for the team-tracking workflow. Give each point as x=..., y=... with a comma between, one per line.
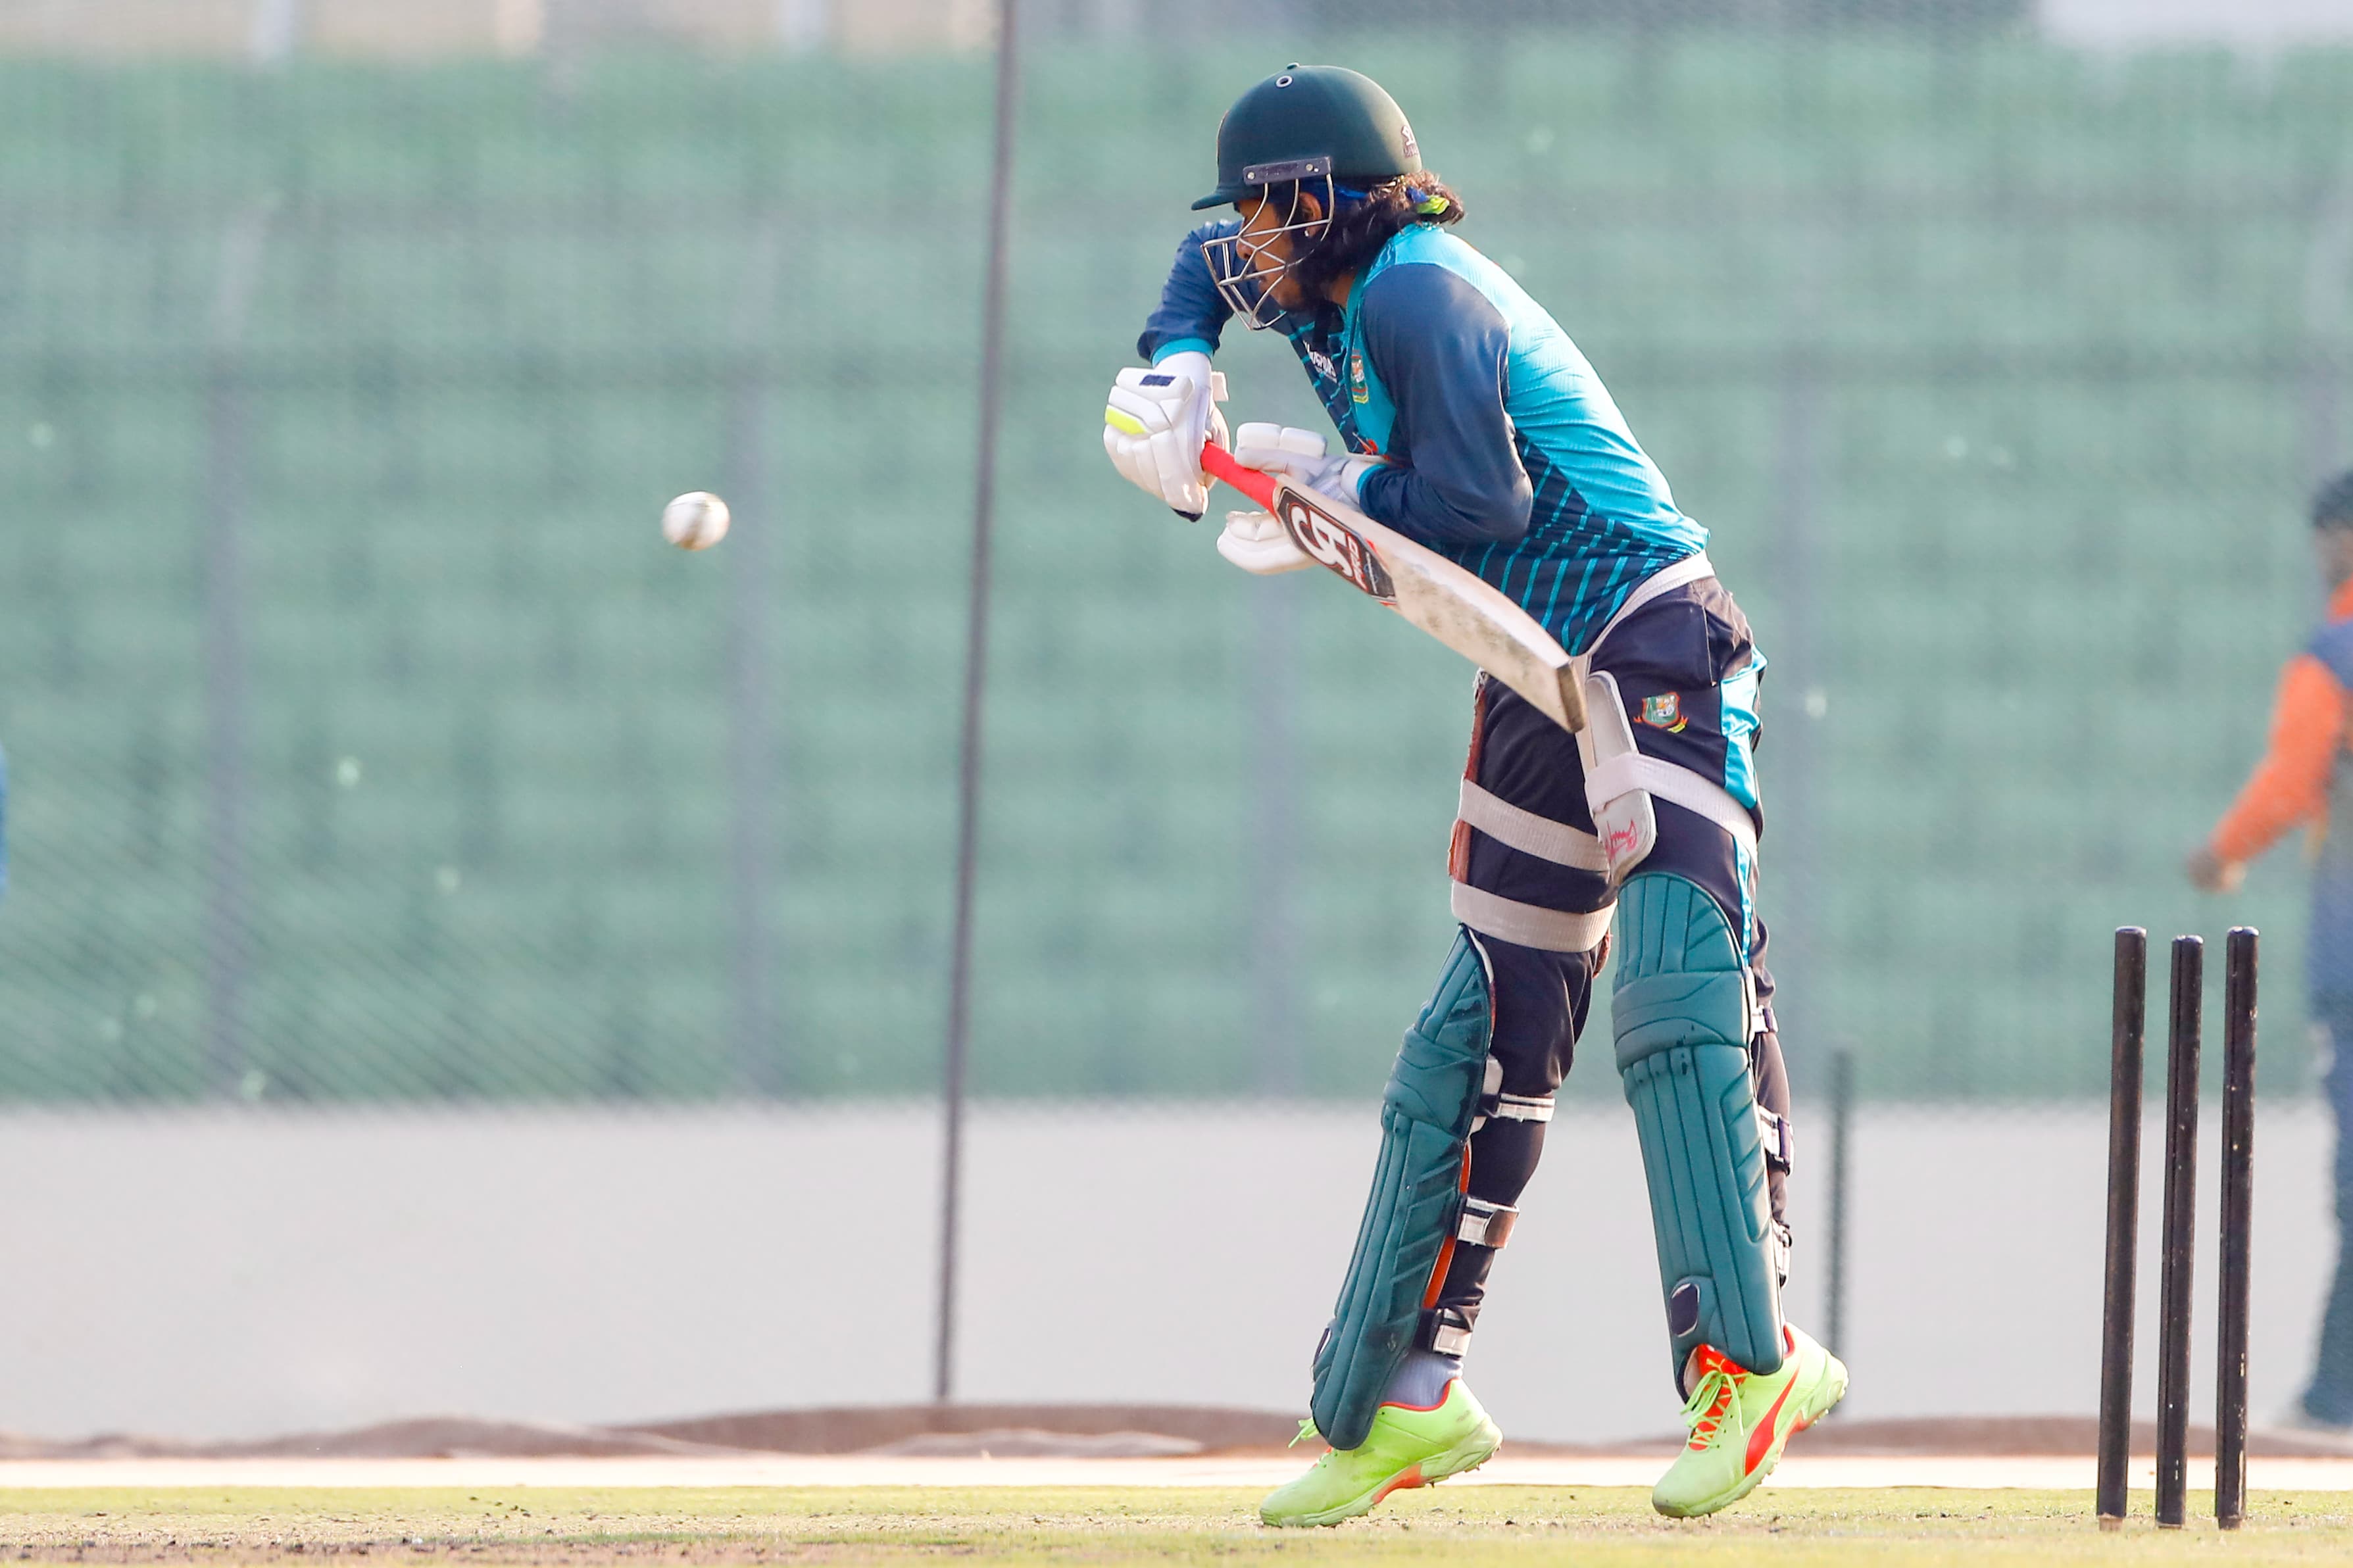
x=1460, y=1459
x=1809, y=1412
x=1812, y=1412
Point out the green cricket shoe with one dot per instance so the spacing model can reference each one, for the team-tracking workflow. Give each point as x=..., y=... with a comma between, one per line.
x=1407, y=1447
x=1739, y=1420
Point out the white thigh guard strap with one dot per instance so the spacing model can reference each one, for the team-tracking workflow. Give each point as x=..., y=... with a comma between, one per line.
x=1526, y=832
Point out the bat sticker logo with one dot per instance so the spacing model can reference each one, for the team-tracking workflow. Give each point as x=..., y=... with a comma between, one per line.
x=1333, y=543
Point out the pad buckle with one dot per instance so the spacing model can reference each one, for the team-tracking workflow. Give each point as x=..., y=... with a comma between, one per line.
x=1446, y=1330
x=1773, y=1132
x=1485, y=1224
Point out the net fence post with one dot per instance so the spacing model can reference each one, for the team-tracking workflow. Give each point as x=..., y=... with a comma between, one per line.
x=760, y=1068
x=992, y=377
x=2327, y=275
x=1842, y=1139
x=1273, y=839
x=229, y=946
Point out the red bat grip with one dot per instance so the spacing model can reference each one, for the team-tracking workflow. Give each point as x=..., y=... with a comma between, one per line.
x=1219, y=464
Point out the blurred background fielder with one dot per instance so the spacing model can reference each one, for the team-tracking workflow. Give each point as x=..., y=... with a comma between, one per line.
x=2299, y=783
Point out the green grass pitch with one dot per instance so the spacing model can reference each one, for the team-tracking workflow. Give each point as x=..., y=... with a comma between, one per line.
x=1587, y=1526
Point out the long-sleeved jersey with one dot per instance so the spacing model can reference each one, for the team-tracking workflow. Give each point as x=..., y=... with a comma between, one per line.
x=1504, y=452
x=2304, y=779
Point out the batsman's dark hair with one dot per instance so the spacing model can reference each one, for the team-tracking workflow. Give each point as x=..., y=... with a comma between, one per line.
x=2332, y=504
x=1356, y=235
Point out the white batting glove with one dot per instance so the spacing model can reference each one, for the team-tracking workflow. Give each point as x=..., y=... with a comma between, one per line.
x=1299, y=457
x=1201, y=417
x=1154, y=423
x=1255, y=541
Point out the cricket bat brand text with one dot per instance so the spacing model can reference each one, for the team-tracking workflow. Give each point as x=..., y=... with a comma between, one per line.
x=1334, y=544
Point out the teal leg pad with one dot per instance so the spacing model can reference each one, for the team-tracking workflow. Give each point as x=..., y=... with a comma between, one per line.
x=1426, y=1115
x=1680, y=1009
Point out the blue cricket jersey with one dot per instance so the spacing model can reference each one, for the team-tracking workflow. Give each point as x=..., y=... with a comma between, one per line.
x=1504, y=450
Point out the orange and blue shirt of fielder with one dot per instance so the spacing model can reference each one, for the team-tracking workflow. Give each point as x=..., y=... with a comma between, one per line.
x=2306, y=780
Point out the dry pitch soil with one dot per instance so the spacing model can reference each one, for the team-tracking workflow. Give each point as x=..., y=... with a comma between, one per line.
x=1492, y=1524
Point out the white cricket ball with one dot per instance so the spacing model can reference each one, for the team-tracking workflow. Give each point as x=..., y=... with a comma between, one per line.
x=695, y=520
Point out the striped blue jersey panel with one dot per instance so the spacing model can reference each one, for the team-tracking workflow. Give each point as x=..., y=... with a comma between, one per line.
x=1576, y=566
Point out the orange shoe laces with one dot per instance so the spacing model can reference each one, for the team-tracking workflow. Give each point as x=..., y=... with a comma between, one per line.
x=1719, y=1370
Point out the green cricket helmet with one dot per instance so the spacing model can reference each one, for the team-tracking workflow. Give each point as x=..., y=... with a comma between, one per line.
x=1312, y=122
x=1303, y=128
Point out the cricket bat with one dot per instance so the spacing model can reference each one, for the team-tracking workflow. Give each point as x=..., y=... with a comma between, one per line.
x=1457, y=607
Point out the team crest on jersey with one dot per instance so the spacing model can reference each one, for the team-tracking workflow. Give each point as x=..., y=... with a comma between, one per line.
x=1665, y=711
x=1359, y=390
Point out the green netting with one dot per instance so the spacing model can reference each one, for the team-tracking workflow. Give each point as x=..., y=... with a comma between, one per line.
x=365, y=743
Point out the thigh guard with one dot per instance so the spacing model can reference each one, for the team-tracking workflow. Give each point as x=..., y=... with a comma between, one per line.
x=1417, y=1206
x=1681, y=1011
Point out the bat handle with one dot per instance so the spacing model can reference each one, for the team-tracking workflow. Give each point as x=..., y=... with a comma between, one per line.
x=1219, y=464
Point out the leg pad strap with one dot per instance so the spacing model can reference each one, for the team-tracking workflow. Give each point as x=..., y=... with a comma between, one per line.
x=1485, y=1224
x=1445, y=1331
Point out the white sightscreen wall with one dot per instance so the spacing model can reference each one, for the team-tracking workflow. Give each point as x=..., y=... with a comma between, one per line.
x=225, y=1273
x=2257, y=22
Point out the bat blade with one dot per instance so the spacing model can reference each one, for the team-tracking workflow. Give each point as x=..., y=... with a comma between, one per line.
x=1456, y=606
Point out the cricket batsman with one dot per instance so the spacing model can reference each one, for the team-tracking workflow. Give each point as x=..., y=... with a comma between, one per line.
x=2305, y=781
x=1471, y=424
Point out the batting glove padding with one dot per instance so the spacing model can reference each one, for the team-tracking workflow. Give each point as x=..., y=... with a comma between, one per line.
x=1299, y=457
x=1154, y=424
x=1256, y=543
